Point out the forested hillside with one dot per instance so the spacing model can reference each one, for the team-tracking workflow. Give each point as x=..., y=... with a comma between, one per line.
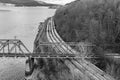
x=26, y=3
x=96, y=22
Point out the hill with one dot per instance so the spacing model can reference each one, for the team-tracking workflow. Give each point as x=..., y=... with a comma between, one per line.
x=96, y=22
x=26, y=3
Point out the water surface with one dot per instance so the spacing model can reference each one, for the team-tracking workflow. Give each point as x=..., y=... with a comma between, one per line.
x=22, y=22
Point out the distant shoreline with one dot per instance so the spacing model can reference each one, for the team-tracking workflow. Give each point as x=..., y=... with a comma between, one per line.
x=4, y=10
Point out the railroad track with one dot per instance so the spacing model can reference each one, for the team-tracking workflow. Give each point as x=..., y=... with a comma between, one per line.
x=84, y=69
x=82, y=66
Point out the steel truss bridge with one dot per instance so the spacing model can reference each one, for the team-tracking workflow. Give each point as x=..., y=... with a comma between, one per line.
x=12, y=46
x=15, y=48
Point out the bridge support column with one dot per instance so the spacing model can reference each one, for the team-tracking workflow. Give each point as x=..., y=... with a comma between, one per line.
x=29, y=66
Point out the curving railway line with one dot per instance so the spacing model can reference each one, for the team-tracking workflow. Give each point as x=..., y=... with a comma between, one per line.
x=82, y=66
x=84, y=69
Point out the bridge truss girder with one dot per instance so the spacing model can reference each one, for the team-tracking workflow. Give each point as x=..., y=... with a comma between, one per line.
x=12, y=46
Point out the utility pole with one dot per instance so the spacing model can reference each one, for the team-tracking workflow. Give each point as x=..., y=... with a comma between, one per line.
x=16, y=44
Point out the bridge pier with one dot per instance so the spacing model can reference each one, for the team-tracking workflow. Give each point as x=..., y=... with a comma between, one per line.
x=29, y=66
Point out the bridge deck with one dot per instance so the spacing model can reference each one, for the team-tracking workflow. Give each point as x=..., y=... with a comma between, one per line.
x=37, y=55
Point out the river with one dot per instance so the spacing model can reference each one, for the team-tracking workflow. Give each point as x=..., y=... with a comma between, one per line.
x=21, y=22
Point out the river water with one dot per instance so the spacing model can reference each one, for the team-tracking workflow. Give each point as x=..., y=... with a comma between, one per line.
x=21, y=22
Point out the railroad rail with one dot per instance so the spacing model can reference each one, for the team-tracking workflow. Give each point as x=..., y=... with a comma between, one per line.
x=83, y=66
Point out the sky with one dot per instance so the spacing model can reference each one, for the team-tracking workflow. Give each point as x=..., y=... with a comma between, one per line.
x=57, y=1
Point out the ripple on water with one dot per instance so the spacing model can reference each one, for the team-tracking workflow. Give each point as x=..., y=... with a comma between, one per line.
x=12, y=69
